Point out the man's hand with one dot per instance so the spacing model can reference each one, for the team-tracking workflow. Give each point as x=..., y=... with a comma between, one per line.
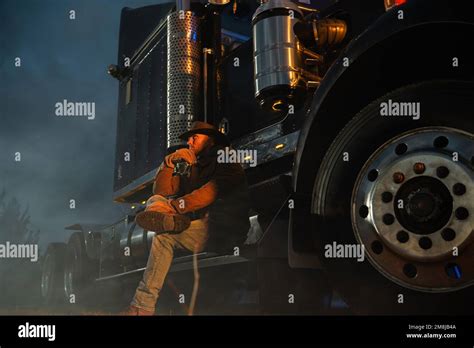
x=184, y=154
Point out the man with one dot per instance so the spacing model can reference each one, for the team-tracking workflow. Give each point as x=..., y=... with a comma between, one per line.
x=206, y=208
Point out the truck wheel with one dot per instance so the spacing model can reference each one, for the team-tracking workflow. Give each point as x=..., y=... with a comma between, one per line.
x=79, y=272
x=403, y=188
x=52, y=274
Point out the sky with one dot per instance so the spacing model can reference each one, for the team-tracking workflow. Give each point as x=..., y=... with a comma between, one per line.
x=61, y=158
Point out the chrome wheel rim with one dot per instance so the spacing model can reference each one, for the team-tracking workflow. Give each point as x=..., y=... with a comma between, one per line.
x=413, y=209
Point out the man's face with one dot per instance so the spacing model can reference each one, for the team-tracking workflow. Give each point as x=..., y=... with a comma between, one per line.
x=199, y=142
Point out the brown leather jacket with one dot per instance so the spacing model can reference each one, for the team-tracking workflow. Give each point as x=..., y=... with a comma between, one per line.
x=219, y=189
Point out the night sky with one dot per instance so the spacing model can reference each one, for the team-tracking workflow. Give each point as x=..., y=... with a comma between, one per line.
x=62, y=158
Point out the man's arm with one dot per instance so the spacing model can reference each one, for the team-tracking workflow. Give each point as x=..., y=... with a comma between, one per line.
x=165, y=183
x=228, y=177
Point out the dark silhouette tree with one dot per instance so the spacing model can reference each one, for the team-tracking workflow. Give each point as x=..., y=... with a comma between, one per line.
x=16, y=274
x=14, y=224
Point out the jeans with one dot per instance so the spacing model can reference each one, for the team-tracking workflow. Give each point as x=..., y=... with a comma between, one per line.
x=193, y=239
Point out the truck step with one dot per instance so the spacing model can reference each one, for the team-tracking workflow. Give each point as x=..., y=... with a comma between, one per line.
x=184, y=263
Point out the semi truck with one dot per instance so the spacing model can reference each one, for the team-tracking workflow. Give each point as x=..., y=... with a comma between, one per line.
x=360, y=116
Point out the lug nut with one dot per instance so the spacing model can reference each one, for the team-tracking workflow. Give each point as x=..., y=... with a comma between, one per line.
x=442, y=172
x=459, y=189
x=448, y=234
x=425, y=243
x=403, y=236
x=398, y=177
x=461, y=213
x=388, y=219
x=387, y=197
x=419, y=168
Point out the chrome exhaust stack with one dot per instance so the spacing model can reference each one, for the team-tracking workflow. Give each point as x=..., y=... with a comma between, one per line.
x=184, y=60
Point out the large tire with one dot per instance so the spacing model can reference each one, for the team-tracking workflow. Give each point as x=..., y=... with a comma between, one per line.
x=367, y=289
x=79, y=272
x=52, y=275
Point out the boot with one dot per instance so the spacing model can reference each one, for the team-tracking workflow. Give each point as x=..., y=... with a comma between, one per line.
x=136, y=311
x=159, y=222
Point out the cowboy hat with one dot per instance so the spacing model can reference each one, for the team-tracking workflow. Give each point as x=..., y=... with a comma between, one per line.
x=199, y=127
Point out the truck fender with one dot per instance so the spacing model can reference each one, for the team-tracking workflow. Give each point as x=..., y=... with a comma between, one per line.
x=357, y=85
